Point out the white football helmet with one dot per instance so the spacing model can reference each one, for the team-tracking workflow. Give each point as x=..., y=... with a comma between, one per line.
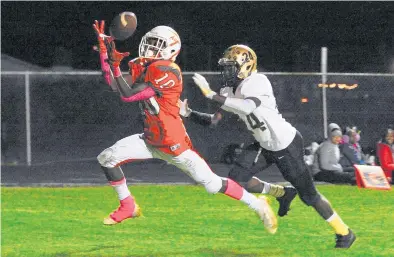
x=162, y=42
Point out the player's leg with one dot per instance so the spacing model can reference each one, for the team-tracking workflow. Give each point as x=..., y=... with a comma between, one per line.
x=196, y=167
x=254, y=159
x=125, y=150
x=284, y=194
x=293, y=168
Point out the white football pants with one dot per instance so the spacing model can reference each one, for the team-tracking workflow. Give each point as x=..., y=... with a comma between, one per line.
x=134, y=148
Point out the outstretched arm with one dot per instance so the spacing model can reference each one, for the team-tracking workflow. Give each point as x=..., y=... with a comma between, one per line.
x=102, y=49
x=137, y=91
x=110, y=60
x=236, y=105
x=204, y=119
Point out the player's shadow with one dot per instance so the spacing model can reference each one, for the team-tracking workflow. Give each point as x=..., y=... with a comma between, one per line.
x=93, y=249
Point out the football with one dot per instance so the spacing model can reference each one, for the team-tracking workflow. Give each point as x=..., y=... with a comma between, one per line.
x=123, y=26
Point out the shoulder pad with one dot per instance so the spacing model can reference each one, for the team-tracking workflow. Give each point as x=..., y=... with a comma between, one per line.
x=167, y=66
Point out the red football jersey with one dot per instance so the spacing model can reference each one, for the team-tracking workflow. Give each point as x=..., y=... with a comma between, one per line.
x=163, y=126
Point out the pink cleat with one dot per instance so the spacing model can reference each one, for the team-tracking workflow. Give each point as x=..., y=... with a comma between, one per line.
x=127, y=209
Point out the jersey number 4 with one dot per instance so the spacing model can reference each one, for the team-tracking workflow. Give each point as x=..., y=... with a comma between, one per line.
x=255, y=123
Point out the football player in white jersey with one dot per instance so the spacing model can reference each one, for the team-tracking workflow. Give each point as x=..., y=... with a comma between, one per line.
x=249, y=95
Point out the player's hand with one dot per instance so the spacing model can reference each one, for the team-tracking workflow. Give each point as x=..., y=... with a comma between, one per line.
x=184, y=109
x=99, y=28
x=115, y=57
x=203, y=84
x=227, y=92
x=217, y=116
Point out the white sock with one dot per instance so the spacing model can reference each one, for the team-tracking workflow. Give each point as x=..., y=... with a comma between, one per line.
x=333, y=216
x=250, y=200
x=122, y=190
x=267, y=187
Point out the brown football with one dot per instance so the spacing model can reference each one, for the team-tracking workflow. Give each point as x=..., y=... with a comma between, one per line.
x=123, y=26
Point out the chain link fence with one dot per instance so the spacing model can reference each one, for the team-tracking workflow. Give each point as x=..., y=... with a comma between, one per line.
x=74, y=116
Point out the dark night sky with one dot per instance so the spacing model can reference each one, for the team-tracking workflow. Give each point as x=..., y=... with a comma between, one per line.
x=287, y=36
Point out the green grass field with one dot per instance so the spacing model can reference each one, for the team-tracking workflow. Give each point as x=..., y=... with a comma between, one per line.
x=186, y=221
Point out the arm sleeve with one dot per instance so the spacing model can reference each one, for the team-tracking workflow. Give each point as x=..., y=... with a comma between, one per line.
x=227, y=92
x=143, y=94
x=137, y=90
x=128, y=91
x=228, y=109
x=239, y=106
x=204, y=119
x=254, y=91
x=106, y=71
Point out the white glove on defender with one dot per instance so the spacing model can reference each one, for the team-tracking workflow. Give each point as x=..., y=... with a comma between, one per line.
x=203, y=84
x=184, y=109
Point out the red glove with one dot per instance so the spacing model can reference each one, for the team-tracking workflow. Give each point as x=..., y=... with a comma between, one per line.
x=107, y=44
x=115, y=57
x=99, y=29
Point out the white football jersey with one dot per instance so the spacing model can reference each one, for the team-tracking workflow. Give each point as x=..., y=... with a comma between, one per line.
x=272, y=131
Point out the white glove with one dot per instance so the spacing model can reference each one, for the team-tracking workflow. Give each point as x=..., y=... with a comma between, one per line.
x=184, y=109
x=226, y=92
x=203, y=84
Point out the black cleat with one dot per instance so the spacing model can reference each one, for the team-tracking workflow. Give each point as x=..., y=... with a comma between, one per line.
x=285, y=200
x=345, y=241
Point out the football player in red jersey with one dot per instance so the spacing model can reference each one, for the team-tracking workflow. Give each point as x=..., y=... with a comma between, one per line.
x=156, y=82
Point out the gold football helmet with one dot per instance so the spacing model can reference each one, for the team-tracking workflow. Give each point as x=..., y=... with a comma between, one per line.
x=238, y=62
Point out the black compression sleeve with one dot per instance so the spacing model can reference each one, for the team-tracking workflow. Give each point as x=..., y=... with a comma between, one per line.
x=201, y=118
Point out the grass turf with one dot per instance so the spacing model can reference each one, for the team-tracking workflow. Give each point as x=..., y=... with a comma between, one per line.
x=186, y=221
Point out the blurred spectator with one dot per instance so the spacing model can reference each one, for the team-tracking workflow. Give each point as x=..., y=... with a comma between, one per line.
x=351, y=151
x=370, y=155
x=385, y=153
x=326, y=165
x=310, y=153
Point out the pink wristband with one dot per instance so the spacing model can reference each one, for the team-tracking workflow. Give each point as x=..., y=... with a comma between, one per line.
x=104, y=64
x=105, y=68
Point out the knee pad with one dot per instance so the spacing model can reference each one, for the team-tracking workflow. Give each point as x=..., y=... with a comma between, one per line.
x=310, y=200
x=214, y=185
x=105, y=157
